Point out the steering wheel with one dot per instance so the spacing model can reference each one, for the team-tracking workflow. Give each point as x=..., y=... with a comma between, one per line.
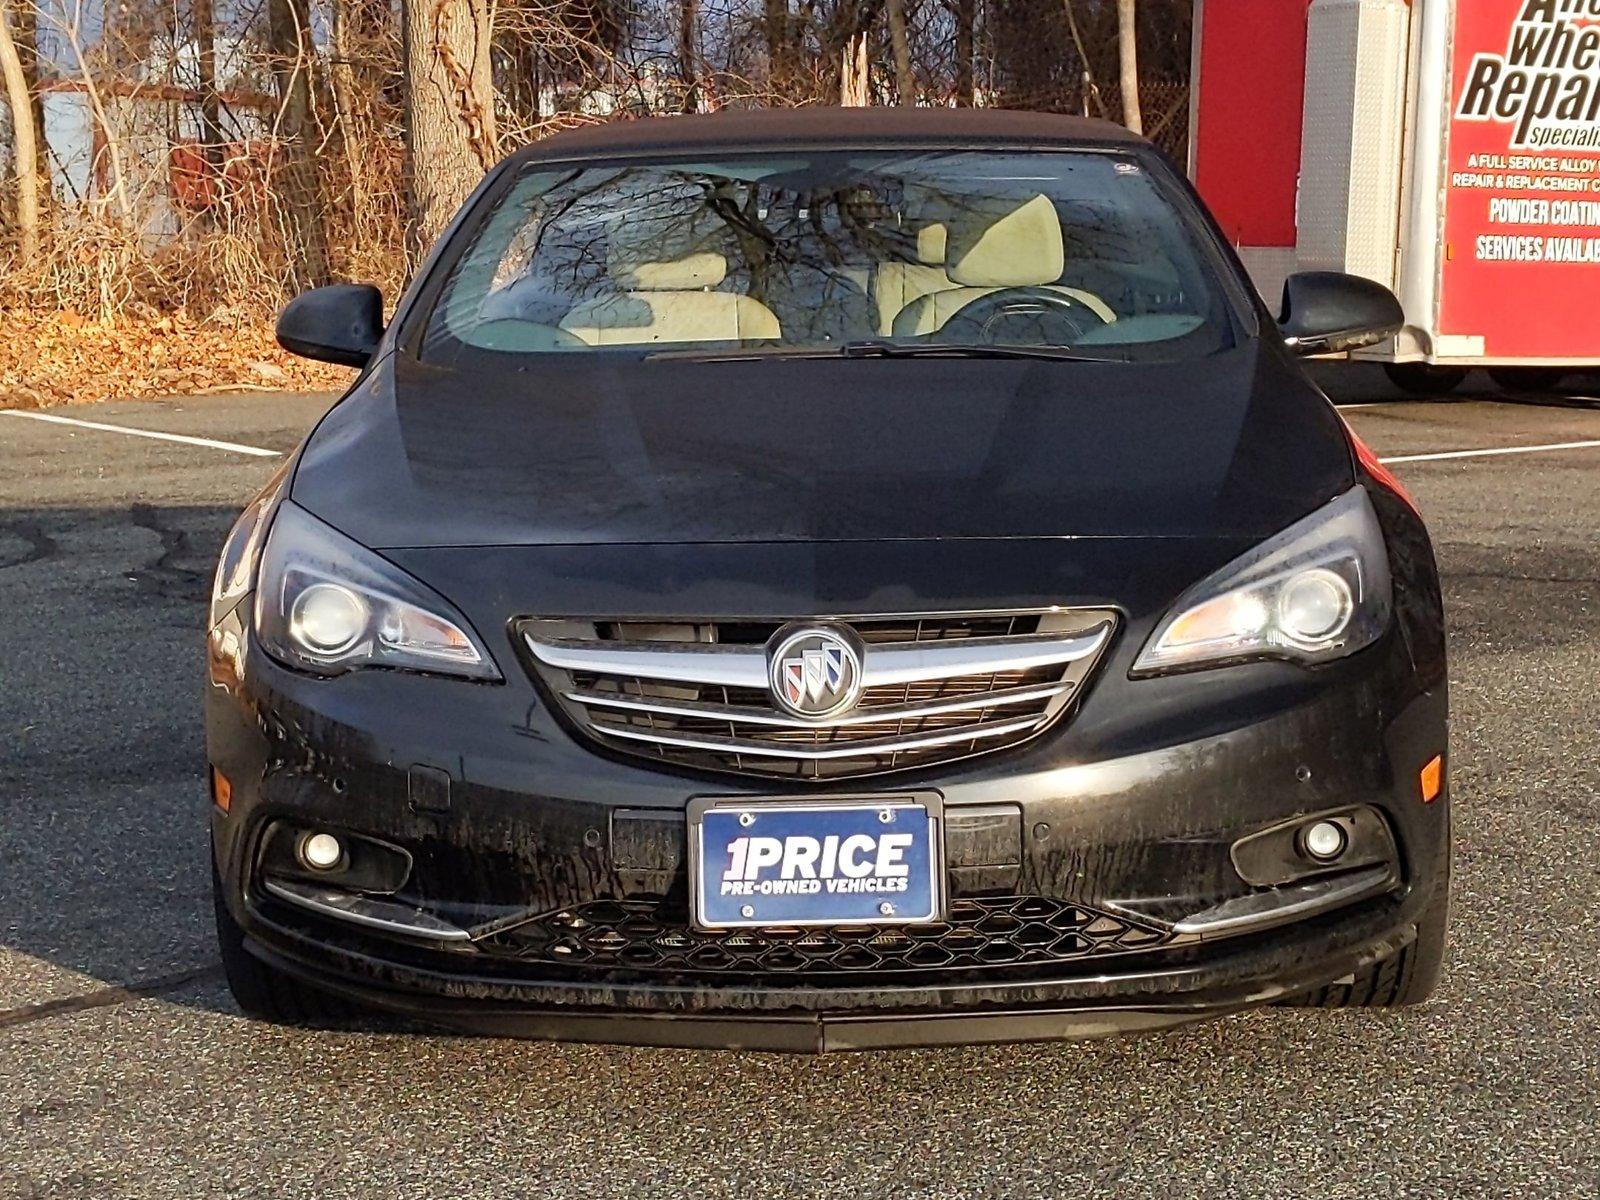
x=1040, y=316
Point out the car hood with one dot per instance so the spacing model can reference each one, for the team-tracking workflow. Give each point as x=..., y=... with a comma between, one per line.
x=556, y=451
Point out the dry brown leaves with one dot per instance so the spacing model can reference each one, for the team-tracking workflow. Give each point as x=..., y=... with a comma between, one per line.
x=62, y=358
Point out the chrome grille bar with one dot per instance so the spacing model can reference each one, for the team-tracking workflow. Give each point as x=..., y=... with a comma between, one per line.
x=677, y=662
x=746, y=747
x=746, y=666
x=745, y=715
x=912, y=662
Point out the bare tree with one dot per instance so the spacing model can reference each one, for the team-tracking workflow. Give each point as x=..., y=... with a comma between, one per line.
x=776, y=28
x=293, y=58
x=855, y=86
x=204, y=26
x=351, y=130
x=1091, y=86
x=71, y=27
x=450, y=138
x=25, y=33
x=905, y=82
x=965, y=14
x=688, y=56
x=342, y=83
x=27, y=154
x=1128, y=50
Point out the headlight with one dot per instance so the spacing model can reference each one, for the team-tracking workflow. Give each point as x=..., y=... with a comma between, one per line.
x=326, y=604
x=236, y=568
x=1317, y=591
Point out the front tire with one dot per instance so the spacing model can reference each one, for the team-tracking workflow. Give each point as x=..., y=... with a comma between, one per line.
x=264, y=993
x=1425, y=379
x=1403, y=979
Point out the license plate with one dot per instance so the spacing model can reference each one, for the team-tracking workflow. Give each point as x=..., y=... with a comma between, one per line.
x=847, y=861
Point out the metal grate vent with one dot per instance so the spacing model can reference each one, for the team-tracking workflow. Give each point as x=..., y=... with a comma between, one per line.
x=644, y=935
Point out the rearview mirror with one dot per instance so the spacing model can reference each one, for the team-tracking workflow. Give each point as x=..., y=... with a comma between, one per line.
x=341, y=323
x=1325, y=312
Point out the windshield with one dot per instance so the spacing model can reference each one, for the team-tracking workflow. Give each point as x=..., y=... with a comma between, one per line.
x=1082, y=252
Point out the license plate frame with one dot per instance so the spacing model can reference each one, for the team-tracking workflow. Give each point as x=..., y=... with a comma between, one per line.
x=919, y=812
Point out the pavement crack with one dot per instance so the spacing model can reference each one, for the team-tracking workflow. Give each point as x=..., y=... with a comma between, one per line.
x=39, y=545
x=165, y=575
x=107, y=997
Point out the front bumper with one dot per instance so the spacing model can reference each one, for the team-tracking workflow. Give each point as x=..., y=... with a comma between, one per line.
x=1045, y=1010
x=1130, y=809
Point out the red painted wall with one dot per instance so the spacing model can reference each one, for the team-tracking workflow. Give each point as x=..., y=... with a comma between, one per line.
x=1251, y=98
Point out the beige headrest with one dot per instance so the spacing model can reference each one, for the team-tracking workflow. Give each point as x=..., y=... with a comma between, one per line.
x=1014, y=246
x=931, y=244
x=703, y=269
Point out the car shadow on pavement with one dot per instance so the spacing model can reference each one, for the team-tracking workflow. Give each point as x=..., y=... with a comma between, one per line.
x=1366, y=383
x=103, y=878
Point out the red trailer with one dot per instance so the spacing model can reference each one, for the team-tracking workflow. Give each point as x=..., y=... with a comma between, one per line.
x=1449, y=149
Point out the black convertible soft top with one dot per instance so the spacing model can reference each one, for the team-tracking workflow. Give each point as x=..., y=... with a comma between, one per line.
x=826, y=126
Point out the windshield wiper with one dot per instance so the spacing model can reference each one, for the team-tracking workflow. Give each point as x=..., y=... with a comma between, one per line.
x=742, y=353
x=875, y=349
x=882, y=349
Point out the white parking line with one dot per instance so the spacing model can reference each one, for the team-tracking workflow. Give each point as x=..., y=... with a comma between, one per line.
x=1443, y=454
x=261, y=452
x=210, y=443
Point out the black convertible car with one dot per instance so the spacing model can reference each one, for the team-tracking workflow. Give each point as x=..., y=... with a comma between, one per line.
x=822, y=580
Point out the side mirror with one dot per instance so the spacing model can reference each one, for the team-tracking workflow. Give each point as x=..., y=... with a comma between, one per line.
x=1325, y=312
x=341, y=323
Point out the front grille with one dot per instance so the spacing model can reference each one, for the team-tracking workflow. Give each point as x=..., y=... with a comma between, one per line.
x=650, y=935
x=934, y=689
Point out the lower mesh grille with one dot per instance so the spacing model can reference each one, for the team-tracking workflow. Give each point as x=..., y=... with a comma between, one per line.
x=651, y=935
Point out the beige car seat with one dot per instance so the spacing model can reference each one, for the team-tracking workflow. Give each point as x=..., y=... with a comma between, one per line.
x=897, y=284
x=990, y=251
x=673, y=301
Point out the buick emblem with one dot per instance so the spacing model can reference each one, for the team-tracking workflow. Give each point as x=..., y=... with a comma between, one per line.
x=815, y=673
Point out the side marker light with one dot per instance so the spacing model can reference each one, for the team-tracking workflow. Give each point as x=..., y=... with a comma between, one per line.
x=221, y=790
x=1432, y=779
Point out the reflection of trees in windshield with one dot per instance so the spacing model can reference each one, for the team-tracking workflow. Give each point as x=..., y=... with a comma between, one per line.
x=805, y=254
x=807, y=248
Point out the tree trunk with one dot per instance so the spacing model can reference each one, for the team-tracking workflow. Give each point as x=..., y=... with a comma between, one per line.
x=300, y=187
x=855, y=86
x=204, y=25
x=342, y=79
x=1091, y=88
x=449, y=113
x=25, y=34
x=1128, y=50
x=688, y=59
x=27, y=152
x=904, y=81
x=775, y=28
x=966, y=16
x=206, y=69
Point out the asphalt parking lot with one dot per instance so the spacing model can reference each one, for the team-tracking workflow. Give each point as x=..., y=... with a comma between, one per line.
x=125, y=1069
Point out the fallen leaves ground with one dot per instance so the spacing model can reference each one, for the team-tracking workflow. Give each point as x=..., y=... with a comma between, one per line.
x=62, y=358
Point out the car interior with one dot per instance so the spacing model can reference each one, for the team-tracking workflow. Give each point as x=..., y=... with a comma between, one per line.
x=980, y=253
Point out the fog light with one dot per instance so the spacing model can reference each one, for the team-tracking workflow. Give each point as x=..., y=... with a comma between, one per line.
x=1324, y=841
x=321, y=851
